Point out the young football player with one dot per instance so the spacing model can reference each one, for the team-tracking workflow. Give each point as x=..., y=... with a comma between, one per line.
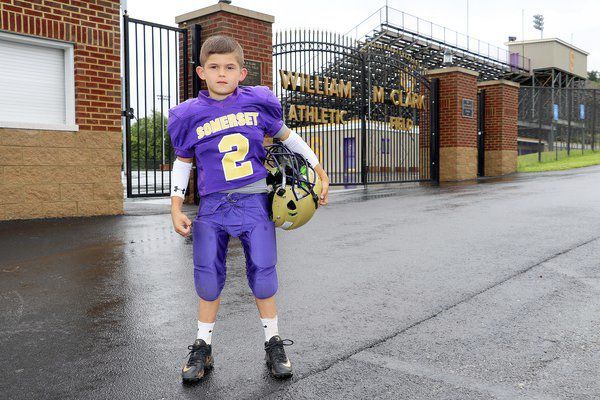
x=223, y=130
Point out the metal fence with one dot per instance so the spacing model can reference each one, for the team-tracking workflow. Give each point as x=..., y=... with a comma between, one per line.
x=336, y=93
x=558, y=122
x=153, y=62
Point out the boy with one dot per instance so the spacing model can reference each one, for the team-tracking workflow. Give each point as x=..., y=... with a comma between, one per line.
x=224, y=128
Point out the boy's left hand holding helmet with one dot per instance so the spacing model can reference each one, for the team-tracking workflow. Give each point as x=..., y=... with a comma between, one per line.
x=324, y=197
x=292, y=140
x=298, y=183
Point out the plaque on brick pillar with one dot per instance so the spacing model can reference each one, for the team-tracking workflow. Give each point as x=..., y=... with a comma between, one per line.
x=254, y=77
x=467, y=108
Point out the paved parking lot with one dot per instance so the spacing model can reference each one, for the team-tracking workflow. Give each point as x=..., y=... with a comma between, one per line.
x=484, y=290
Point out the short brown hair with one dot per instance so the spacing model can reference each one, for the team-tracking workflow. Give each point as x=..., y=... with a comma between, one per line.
x=221, y=45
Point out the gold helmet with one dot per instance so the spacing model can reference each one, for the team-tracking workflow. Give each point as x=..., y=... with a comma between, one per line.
x=295, y=187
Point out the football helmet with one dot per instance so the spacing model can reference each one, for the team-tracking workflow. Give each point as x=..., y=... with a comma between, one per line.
x=295, y=187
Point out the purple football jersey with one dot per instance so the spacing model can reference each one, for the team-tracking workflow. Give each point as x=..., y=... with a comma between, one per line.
x=226, y=136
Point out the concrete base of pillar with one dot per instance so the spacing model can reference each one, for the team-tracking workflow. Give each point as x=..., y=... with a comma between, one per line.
x=500, y=162
x=458, y=163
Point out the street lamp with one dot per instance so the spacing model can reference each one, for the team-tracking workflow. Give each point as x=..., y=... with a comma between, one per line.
x=538, y=23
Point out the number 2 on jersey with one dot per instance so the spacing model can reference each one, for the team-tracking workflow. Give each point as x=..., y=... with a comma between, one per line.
x=233, y=162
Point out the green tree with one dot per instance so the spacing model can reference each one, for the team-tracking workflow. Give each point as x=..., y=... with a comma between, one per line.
x=593, y=76
x=149, y=137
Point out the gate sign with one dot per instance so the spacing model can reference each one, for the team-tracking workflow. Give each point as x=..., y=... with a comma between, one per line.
x=555, y=109
x=467, y=108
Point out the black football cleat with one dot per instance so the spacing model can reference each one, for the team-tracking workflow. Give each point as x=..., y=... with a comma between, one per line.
x=200, y=361
x=277, y=361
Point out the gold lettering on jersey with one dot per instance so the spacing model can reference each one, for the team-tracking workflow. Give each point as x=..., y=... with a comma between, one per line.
x=226, y=122
x=241, y=119
x=232, y=121
x=215, y=125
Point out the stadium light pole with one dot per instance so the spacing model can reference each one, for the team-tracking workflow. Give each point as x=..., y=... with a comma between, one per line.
x=538, y=23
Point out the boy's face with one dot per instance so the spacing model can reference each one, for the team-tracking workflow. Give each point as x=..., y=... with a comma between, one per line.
x=222, y=74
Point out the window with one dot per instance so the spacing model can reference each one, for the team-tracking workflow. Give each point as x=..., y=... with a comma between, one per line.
x=37, y=89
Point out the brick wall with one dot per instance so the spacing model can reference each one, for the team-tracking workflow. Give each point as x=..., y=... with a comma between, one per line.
x=456, y=130
x=458, y=134
x=57, y=173
x=501, y=116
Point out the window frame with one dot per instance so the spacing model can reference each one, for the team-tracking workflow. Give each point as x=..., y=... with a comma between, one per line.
x=69, y=76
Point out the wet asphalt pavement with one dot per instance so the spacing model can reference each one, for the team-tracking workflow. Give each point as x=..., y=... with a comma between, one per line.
x=465, y=291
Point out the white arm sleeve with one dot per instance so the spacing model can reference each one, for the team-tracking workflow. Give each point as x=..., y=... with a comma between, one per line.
x=295, y=143
x=180, y=176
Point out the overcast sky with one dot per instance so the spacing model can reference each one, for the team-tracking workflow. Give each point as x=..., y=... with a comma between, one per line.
x=575, y=21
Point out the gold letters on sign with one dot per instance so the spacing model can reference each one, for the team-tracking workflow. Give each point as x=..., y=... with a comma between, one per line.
x=328, y=86
x=313, y=84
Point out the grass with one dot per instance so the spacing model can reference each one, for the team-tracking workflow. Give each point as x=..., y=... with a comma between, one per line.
x=529, y=162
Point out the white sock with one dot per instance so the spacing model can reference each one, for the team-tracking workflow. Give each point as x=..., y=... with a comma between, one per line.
x=205, y=331
x=270, y=327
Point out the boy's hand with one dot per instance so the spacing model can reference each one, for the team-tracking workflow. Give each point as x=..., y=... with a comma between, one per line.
x=324, y=197
x=181, y=223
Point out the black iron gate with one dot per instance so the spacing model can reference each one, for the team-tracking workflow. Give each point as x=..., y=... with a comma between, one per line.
x=365, y=109
x=156, y=76
x=481, y=133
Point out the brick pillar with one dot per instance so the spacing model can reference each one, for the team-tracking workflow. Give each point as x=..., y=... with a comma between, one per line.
x=252, y=30
x=458, y=133
x=501, y=114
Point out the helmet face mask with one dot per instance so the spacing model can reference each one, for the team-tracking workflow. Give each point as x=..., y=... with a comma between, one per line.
x=295, y=187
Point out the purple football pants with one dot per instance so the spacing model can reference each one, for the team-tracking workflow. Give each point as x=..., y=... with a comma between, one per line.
x=239, y=215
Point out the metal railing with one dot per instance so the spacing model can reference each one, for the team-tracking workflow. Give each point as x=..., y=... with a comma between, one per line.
x=388, y=16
